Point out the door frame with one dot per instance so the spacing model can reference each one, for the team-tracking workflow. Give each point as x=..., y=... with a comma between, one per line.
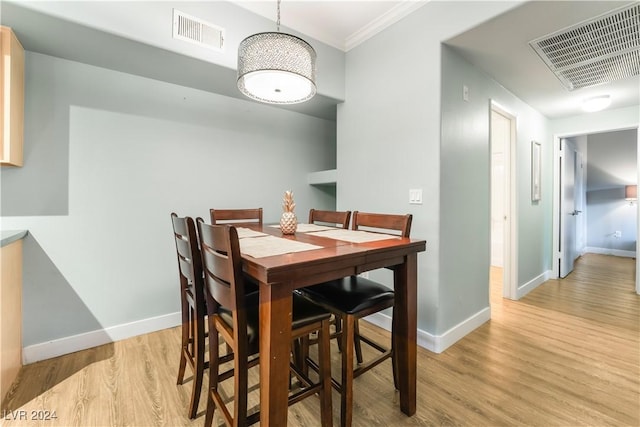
x=556, y=192
x=510, y=269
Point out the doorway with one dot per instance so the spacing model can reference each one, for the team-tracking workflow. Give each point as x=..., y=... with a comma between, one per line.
x=502, y=139
x=603, y=186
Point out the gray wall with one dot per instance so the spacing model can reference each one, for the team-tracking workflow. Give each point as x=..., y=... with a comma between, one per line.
x=389, y=141
x=612, y=164
x=612, y=159
x=108, y=156
x=465, y=190
x=608, y=212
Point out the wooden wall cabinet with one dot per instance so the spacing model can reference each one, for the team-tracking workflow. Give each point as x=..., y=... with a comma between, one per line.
x=12, y=96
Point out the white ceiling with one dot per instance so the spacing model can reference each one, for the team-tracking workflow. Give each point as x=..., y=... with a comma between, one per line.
x=500, y=46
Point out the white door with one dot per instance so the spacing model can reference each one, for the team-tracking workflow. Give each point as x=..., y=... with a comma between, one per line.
x=568, y=211
x=500, y=134
x=502, y=138
x=497, y=209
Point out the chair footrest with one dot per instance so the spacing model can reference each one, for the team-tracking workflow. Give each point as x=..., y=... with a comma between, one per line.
x=386, y=354
x=373, y=344
x=372, y=363
x=334, y=383
x=223, y=376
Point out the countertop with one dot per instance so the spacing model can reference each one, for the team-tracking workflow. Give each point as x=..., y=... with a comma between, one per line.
x=10, y=236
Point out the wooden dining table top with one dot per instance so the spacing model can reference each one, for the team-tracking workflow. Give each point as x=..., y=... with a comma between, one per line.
x=273, y=269
x=328, y=259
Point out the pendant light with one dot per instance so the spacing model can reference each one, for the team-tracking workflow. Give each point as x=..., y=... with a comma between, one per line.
x=276, y=68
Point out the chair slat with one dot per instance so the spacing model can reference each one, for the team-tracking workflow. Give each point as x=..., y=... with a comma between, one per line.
x=334, y=218
x=383, y=222
x=233, y=216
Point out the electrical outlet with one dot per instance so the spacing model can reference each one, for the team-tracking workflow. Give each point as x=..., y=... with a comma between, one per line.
x=617, y=234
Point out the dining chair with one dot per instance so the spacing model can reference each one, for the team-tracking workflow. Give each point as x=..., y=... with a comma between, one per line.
x=236, y=216
x=352, y=298
x=233, y=314
x=335, y=218
x=192, y=304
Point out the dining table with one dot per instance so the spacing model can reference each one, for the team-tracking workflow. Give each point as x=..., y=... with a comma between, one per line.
x=315, y=254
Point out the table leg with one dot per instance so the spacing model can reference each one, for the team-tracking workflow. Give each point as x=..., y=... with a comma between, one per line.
x=275, y=348
x=405, y=331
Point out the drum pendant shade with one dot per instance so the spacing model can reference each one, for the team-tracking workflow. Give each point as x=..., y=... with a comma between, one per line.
x=276, y=68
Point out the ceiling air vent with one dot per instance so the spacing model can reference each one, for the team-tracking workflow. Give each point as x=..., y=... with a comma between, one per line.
x=601, y=50
x=195, y=30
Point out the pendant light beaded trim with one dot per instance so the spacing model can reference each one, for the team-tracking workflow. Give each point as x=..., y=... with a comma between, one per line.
x=276, y=68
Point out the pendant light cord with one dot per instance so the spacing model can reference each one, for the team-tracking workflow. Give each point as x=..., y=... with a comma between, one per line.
x=278, y=22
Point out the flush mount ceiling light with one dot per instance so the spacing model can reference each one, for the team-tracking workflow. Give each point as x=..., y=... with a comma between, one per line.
x=276, y=68
x=596, y=103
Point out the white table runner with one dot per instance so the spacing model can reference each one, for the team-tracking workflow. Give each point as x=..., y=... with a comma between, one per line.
x=259, y=247
x=247, y=232
x=354, y=236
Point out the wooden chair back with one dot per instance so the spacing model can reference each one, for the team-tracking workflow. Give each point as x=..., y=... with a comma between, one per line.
x=222, y=267
x=340, y=218
x=382, y=222
x=193, y=306
x=236, y=216
x=189, y=260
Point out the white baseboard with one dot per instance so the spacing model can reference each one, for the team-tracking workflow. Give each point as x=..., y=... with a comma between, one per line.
x=438, y=343
x=66, y=345
x=532, y=284
x=607, y=251
x=462, y=329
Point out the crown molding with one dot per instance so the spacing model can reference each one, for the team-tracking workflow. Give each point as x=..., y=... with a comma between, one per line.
x=382, y=22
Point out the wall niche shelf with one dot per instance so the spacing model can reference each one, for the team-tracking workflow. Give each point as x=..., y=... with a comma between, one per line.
x=326, y=177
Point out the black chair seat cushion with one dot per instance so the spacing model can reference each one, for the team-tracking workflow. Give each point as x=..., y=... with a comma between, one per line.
x=349, y=295
x=305, y=312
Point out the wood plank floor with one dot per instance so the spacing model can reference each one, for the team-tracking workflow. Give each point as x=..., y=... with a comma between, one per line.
x=568, y=354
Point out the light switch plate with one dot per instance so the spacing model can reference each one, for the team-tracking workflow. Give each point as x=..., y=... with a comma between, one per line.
x=415, y=196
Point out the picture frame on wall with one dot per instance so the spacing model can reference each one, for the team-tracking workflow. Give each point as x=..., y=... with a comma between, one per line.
x=536, y=166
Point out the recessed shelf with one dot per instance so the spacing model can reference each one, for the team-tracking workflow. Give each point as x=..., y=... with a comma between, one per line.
x=322, y=177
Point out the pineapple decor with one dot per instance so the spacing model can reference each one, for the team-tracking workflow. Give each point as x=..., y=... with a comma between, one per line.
x=288, y=221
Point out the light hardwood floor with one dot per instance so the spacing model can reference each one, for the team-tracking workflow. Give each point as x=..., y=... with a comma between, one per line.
x=567, y=354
